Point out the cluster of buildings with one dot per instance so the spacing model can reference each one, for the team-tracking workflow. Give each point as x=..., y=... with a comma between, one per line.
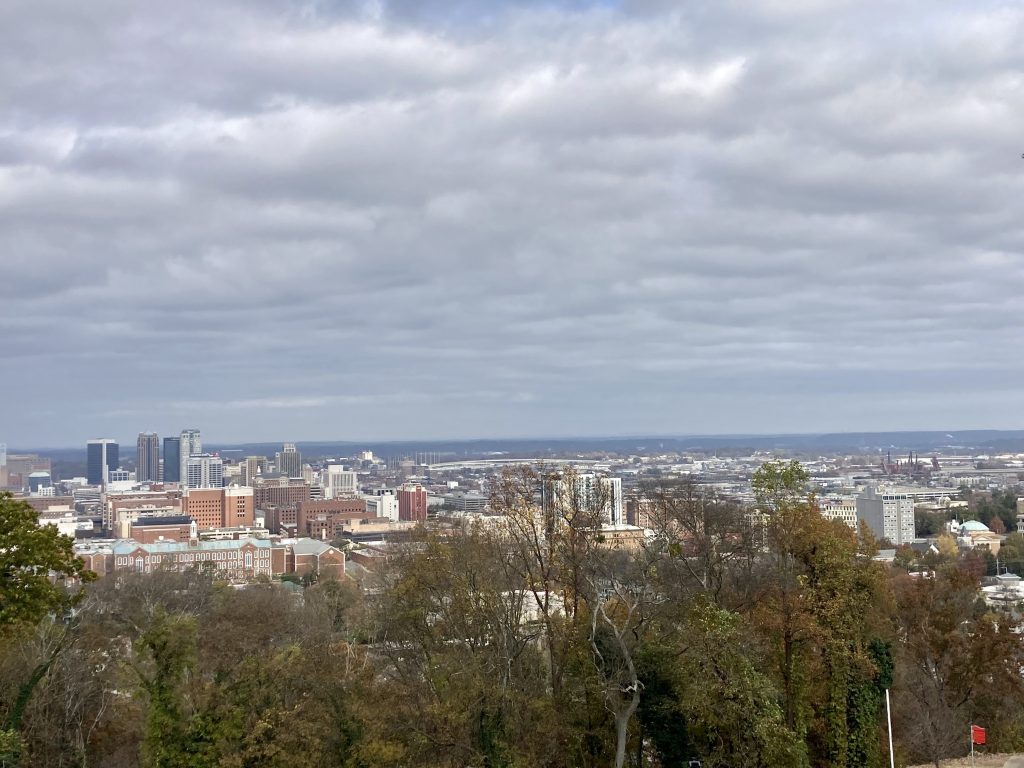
x=172, y=503
x=176, y=506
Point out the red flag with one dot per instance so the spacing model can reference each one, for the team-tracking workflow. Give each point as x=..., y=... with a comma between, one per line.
x=977, y=734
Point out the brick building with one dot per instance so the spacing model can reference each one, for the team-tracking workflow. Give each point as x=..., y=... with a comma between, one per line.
x=150, y=530
x=117, y=503
x=325, y=519
x=237, y=559
x=219, y=507
x=279, y=491
x=280, y=519
x=412, y=503
x=309, y=556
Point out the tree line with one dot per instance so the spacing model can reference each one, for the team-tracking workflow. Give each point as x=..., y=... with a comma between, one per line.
x=741, y=636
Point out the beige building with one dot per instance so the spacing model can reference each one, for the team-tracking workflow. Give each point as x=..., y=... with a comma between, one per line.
x=840, y=508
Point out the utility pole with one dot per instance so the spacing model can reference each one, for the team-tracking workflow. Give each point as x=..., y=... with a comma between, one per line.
x=888, y=718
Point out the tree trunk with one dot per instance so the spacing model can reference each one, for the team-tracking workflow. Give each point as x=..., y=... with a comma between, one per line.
x=622, y=728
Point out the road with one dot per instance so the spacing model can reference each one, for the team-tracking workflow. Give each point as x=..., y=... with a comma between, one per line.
x=1015, y=762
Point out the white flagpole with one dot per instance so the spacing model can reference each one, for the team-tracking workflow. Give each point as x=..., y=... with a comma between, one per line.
x=888, y=718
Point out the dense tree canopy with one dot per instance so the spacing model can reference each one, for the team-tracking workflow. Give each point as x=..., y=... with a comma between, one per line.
x=760, y=637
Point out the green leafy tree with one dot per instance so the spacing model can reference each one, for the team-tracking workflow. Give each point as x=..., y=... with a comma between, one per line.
x=660, y=712
x=1011, y=553
x=35, y=564
x=821, y=611
x=171, y=645
x=732, y=709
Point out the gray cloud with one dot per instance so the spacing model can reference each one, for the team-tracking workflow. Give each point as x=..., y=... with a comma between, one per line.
x=400, y=220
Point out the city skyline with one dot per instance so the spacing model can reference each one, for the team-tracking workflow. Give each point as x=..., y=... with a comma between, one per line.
x=401, y=220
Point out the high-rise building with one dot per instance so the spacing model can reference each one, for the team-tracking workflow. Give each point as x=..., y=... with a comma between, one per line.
x=289, y=461
x=253, y=467
x=172, y=460
x=338, y=482
x=147, y=464
x=102, y=456
x=889, y=514
x=191, y=445
x=412, y=503
x=204, y=471
x=3, y=465
x=588, y=493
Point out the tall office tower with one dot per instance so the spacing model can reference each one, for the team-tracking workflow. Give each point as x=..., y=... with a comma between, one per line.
x=147, y=465
x=191, y=445
x=253, y=467
x=3, y=465
x=101, y=457
x=172, y=460
x=204, y=471
x=289, y=461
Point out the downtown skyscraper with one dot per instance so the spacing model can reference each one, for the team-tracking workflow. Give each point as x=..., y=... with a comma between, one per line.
x=102, y=456
x=147, y=464
x=204, y=471
x=191, y=445
x=289, y=461
x=172, y=460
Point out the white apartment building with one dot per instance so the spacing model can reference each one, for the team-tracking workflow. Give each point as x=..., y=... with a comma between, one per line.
x=592, y=492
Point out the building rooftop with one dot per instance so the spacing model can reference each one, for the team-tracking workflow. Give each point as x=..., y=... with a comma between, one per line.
x=124, y=546
x=163, y=520
x=973, y=526
x=307, y=546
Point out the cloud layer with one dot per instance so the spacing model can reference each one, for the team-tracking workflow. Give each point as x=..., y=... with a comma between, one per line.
x=384, y=220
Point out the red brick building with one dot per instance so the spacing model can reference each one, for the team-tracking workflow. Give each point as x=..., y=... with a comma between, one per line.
x=234, y=559
x=150, y=530
x=325, y=519
x=309, y=556
x=280, y=519
x=412, y=503
x=219, y=507
x=280, y=492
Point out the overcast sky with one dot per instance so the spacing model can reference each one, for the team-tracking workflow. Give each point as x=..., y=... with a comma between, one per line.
x=415, y=219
